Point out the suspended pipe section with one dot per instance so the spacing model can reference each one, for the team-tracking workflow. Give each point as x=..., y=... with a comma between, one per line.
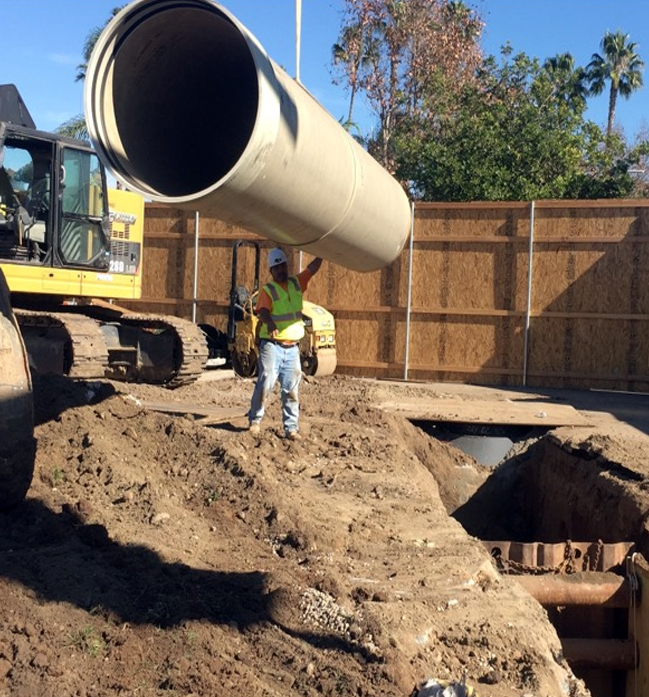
x=184, y=106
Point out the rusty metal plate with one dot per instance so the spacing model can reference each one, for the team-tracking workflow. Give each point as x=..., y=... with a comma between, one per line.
x=561, y=557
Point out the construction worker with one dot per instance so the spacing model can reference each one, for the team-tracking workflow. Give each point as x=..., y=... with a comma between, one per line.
x=279, y=309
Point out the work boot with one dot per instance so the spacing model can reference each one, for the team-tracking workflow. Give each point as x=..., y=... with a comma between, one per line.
x=254, y=428
x=293, y=435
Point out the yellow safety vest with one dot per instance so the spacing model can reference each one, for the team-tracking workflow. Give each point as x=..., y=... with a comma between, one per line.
x=286, y=312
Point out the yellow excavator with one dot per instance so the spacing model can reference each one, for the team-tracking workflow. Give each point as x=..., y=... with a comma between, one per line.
x=238, y=346
x=70, y=248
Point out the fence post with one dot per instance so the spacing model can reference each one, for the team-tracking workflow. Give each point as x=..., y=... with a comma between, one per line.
x=529, y=294
x=409, y=301
x=195, y=293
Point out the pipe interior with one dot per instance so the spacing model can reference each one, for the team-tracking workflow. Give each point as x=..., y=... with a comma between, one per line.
x=185, y=99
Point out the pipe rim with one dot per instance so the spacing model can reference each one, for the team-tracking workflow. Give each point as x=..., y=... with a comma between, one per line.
x=105, y=134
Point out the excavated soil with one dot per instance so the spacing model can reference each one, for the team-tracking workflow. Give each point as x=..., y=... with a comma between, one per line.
x=157, y=555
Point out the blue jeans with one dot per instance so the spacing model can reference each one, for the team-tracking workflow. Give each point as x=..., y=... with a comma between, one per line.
x=283, y=364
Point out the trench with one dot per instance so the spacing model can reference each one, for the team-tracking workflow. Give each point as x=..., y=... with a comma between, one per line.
x=571, y=527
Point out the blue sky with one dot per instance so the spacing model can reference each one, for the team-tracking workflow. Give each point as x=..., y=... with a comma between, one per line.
x=40, y=52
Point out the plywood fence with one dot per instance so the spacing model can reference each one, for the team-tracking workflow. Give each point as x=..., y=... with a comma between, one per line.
x=552, y=293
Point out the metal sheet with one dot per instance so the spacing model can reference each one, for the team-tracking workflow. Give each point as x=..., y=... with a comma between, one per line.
x=486, y=411
x=581, y=556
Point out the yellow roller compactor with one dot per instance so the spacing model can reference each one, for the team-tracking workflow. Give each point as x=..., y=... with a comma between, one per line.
x=70, y=248
x=239, y=345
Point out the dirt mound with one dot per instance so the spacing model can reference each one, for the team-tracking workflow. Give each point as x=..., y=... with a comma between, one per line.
x=157, y=556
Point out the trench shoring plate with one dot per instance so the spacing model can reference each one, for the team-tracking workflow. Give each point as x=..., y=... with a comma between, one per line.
x=485, y=411
x=534, y=557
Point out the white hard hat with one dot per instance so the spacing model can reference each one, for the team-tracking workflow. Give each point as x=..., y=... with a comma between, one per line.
x=276, y=257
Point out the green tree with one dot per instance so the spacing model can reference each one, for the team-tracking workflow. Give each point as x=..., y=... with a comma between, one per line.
x=604, y=168
x=518, y=133
x=639, y=163
x=618, y=64
x=403, y=55
x=76, y=126
x=348, y=52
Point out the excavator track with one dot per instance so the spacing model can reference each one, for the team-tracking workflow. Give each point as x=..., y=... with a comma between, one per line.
x=127, y=347
x=191, y=351
x=64, y=343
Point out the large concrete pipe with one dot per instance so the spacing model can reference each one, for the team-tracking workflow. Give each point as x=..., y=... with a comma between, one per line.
x=185, y=106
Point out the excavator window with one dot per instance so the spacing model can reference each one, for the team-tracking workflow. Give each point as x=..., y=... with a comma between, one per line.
x=25, y=178
x=83, y=239
x=46, y=220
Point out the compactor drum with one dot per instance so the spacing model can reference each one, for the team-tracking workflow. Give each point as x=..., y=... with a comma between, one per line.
x=17, y=443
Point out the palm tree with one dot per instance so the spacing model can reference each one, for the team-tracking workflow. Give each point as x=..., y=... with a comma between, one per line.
x=349, y=53
x=464, y=18
x=618, y=63
x=76, y=126
x=569, y=81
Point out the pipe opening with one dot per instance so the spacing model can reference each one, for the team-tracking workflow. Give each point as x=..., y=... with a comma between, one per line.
x=489, y=444
x=170, y=92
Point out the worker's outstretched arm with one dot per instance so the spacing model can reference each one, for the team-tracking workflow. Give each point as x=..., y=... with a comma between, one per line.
x=314, y=266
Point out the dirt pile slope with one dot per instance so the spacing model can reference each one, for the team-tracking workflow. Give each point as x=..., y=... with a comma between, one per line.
x=158, y=556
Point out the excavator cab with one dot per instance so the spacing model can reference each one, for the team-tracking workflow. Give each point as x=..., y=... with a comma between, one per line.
x=68, y=252
x=53, y=204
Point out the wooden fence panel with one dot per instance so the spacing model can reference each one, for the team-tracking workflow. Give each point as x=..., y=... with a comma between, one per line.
x=590, y=306
x=469, y=292
x=468, y=316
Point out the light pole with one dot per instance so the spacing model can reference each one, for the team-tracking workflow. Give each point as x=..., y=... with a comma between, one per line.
x=298, y=37
x=298, y=43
